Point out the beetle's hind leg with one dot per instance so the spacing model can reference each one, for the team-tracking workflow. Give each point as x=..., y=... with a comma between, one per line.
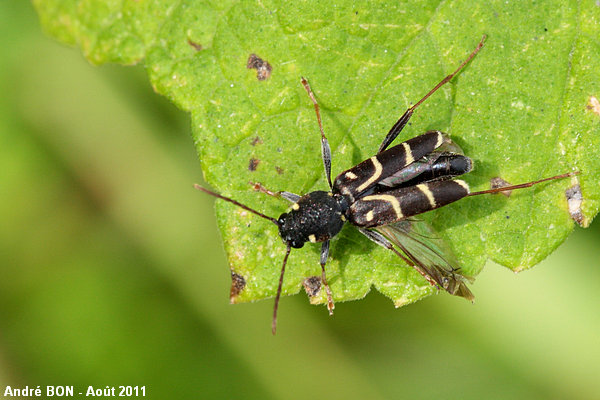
x=401, y=123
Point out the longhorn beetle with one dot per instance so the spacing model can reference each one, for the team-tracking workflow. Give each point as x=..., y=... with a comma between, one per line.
x=379, y=196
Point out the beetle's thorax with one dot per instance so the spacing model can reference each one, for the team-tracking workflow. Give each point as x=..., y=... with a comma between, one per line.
x=316, y=217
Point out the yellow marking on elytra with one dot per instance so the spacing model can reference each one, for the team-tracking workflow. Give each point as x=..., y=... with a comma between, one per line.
x=343, y=218
x=425, y=189
x=387, y=198
x=312, y=238
x=369, y=216
x=295, y=207
x=375, y=177
x=440, y=140
x=329, y=194
x=409, y=156
x=350, y=175
x=464, y=184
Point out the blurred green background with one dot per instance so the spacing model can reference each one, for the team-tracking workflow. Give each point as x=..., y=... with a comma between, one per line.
x=112, y=271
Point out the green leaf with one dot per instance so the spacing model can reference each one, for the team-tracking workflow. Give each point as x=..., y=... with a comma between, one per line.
x=523, y=109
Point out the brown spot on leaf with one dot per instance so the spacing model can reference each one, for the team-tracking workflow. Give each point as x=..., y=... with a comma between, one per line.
x=279, y=170
x=498, y=182
x=238, y=283
x=574, y=200
x=195, y=45
x=593, y=105
x=253, y=164
x=256, y=140
x=262, y=67
x=312, y=286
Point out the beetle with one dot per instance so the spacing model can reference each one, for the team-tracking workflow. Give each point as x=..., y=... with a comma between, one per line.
x=380, y=196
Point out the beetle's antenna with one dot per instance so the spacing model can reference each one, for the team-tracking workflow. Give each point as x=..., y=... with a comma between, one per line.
x=237, y=203
x=522, y=185
x=274, y=323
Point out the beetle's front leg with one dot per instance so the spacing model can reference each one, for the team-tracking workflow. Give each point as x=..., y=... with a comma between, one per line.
x=289, y=196
x=324, y=256
x=325, y=149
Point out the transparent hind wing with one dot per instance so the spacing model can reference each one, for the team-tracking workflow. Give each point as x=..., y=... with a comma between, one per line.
x=429, y=255
x=411, y=171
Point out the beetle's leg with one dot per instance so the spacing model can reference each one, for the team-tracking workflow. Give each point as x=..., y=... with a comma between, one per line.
x=325, y=149
x=324, y=255
x=399, y=125
x=383, y=242
x=522, y=185
x=289, y=196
